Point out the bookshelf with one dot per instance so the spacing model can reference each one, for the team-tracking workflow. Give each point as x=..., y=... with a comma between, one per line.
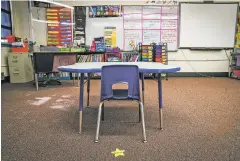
x=235, y=64
x=80, y=24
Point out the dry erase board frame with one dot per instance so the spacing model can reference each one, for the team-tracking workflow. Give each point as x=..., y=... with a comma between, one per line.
x=161, y=20
x=204, y=48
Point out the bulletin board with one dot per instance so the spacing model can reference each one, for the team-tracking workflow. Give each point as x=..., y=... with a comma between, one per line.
x=148, y=24
x=60, y=30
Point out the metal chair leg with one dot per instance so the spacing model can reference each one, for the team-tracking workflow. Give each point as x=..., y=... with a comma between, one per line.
x=102, y=116
x=36, y=80
x=143, y=122
x=88, y=88
x=139, y=114
x=98, y=121
x=161, y=118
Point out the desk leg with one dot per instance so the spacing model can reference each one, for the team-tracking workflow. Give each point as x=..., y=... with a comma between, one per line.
x=143, y=88
x=142, y=80
x=78, y=75
x=81, y=101
x=88, y=88
x=160, y=101
x=73, y=75
x=36, y=80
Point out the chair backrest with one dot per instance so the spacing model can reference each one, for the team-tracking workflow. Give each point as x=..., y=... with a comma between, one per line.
x=114, y=74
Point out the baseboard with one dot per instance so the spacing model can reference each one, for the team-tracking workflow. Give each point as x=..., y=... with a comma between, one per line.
x=201, y=74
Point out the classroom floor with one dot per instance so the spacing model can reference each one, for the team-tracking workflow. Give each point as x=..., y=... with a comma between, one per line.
x=201, y=123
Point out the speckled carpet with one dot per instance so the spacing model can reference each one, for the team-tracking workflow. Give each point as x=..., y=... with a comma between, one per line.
x=201, y=123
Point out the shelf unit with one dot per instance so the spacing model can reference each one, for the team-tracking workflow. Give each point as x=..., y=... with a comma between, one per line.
x=147, y=56
x=80, y=24
x=60, y=30
x=106, y=57
x=154, y=53
x=234, y=71
x=160, y=52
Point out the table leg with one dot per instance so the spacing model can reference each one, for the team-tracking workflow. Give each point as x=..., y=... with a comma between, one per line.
x=88, y=88
x=143, y=88
x=160, y=101
x=36, y=80
x=78, y=75
x=81, y=101
x=73, y=75
x=142, y=80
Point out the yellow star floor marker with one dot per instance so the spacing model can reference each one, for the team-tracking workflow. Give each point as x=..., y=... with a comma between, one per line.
x=118, y=152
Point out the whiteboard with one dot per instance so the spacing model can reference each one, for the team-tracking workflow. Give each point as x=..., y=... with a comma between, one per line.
x=170, y=37
x=134, y=36
x=207, y=25
x=151, y=9
x=151, y=24
x=132, y=24
x=95, y=28
x=132, y=9
x=151, y=36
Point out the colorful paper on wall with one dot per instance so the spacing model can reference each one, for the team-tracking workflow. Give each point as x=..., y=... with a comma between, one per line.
x=61, y=25
x=110, y=36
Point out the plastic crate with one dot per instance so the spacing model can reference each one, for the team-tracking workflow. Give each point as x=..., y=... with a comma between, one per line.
x=236, y=72
x=238, y=60
x=64, y=49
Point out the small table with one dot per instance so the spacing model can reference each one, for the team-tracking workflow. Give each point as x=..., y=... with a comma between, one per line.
x=94, y=67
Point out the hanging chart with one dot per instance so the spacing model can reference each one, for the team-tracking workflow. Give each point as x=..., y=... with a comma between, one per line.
x=132, y=38
x=151, y=36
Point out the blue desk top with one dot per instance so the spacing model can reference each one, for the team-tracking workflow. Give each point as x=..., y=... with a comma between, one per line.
x=144, y=67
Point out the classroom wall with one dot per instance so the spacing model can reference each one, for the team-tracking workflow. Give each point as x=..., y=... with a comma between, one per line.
x=189, y=61
x=21, y=22
x=20, y=16
x=129, y=2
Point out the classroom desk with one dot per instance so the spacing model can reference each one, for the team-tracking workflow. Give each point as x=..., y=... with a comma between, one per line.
x=43, y=60
x=144, y=67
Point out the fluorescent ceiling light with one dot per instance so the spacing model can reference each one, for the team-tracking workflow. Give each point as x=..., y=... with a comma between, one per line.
x=44, y=21
x=56, y=3
x=52, y=22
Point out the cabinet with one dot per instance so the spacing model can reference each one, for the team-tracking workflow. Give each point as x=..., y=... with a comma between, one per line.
x=20, y=67
x=4, y=60
x=235, y=64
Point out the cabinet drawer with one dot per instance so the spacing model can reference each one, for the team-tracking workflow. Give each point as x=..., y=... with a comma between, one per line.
x=17, y=75
x=15, y=59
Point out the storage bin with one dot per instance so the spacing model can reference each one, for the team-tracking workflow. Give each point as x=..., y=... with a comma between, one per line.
x=238, y=60
x=10, y=38
x=64, y=49
x=20, y=49
x=108, y=50
x=236, y=72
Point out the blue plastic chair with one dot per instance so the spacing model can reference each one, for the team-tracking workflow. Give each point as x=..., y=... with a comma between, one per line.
x=115, y=74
